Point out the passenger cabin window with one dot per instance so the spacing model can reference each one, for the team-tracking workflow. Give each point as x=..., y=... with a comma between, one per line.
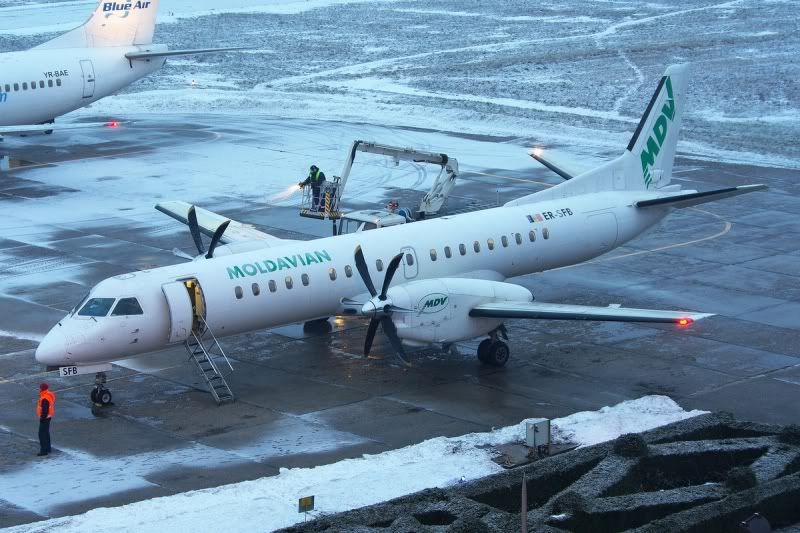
x=256, y=289
x=348, y=271
x=41, y=84
x=546, y=233
x=332, y=274
x=447, y=252
x=24, y=85
x=49, y=83
x=477, y=247
x=490, y=244
x=127, y=306
x=273, y=286
x=504, y=240
x=518, y=238
x=532, y=235
x=238, y=292
x=462, y=249
x=433, y=254
x=379, y=265
x=409, y=259
x=58, y=82
x=97, y=307
x=289, y=282
x=304, y=279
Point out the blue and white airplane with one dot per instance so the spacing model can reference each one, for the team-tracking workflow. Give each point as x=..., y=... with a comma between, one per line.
x=113, y=49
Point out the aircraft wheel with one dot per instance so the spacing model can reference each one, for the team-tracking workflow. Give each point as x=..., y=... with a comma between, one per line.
x=93, y=396
x=483, y=351
x=498, y=353
x=104, y=397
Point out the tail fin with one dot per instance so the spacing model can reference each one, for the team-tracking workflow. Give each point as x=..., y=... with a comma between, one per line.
x=113, y=23
x=653, y=143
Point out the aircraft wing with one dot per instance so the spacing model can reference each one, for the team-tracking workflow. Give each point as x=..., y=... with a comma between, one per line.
x=41, y=128
x=548, y=311
x=148, y=54
x=209, y=222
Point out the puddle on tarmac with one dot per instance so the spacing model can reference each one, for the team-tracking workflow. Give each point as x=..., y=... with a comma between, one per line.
x=12, y=163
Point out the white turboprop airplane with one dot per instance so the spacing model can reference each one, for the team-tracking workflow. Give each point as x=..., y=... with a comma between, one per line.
x=110, y=51
x=438, y=281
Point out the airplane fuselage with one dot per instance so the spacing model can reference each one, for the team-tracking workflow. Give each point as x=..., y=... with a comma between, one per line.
x=37, y=86
x=300, y=281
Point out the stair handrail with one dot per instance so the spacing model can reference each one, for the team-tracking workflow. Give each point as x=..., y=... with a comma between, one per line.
x=219, y=346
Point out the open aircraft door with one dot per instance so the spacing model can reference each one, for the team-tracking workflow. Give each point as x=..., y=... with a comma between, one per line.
x=180, y=311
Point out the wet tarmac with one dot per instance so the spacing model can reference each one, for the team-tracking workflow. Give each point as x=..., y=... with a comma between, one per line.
x=79, y=210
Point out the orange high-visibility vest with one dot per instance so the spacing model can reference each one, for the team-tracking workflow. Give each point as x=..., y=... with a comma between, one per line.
x=51, y=398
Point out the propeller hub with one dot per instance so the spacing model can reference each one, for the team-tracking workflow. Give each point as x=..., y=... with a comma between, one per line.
x=369, y=309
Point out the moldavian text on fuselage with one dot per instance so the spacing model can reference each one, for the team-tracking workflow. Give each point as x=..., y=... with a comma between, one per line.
x=280, y=263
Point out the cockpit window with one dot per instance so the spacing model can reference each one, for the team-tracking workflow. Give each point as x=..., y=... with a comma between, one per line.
x=127, y=306
x=97, y=307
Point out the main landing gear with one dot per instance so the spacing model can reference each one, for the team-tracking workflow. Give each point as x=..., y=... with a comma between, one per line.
x=493, y=351
x=100, y=394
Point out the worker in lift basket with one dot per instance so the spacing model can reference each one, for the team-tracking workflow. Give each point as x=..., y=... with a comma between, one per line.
x=315, y=179
x=45, y=409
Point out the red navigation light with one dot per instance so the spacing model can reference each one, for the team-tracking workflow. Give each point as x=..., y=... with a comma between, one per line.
x=685, y=321
x=113, y=124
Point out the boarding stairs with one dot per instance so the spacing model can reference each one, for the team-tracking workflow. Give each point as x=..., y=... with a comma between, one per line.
x=204, y=349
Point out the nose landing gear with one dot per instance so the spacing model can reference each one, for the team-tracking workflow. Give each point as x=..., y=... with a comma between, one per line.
x=493, y=351
x=100, y=394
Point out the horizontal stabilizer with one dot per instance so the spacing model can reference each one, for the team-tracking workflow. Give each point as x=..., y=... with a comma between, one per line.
x=689, y=199
x=552, y=166
x=209, y=221
x=147, y=54
x=548, y=311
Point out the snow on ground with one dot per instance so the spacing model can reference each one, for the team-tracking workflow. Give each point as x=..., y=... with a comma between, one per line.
x=563, y=73
x=270, y=503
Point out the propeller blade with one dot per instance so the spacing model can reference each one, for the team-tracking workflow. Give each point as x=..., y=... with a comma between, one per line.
x=180, y=253
x=215, y=239
x=373, y=327
x=191, y=217
x=361, y=265
x=393, y=264
x=391, y=331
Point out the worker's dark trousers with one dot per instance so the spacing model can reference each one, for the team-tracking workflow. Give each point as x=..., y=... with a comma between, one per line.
x=315, y=195
x=44, y=436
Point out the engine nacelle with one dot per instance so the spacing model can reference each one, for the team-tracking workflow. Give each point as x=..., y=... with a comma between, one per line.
x=440, y=308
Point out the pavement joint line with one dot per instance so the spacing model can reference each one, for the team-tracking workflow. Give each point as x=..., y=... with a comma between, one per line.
x=767, y=374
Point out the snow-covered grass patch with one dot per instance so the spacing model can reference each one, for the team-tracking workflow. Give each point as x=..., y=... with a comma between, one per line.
x=270, y=503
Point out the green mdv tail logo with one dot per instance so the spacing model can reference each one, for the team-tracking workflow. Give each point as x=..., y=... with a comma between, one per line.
x=656, y=139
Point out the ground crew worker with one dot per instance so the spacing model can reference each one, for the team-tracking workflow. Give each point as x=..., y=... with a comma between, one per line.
x=45, y=409
x=315, y=179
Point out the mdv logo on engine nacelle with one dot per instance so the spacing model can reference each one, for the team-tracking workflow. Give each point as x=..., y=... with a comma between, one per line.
x=432, y=303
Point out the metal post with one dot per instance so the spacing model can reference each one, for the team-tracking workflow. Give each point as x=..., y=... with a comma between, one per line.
x=524, y=505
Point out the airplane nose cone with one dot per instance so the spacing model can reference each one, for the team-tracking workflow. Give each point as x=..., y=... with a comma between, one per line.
x=52, y=350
